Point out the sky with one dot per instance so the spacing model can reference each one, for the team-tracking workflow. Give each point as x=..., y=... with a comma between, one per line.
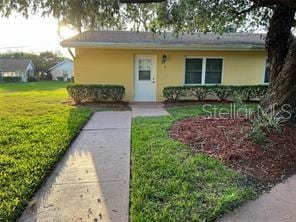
x=34, y=34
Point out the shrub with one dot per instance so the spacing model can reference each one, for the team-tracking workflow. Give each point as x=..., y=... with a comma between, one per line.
x=270, y=121
x=60, y=78
x=116, y=93
x=243, y=93
x=258, y=136
x=12, y=79
x=71, y=79
x=32, y=79
x=224, y=93
x=77, y=92
x=261, y=90
x=96, y=93
x=173, y=93
x=249, y=93
x=200, y=93
x=263, y=124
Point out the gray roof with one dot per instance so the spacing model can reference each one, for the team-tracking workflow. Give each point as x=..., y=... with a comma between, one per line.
x=130, y=39
x=11, y=65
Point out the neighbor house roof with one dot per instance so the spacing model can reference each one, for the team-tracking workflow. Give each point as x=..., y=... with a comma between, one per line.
x=61, y=63
x=148, y=40
x=11, y=65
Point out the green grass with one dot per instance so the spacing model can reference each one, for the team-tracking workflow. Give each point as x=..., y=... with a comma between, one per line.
x=170, y=183
x=36, y=129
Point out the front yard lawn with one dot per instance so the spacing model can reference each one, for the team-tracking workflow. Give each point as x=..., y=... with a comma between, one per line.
x=36, y=129
x=170, y=183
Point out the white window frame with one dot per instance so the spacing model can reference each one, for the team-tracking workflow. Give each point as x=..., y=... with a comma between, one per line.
x=203, y=74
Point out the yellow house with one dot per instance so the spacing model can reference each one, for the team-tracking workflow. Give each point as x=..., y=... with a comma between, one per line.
x=144, y=63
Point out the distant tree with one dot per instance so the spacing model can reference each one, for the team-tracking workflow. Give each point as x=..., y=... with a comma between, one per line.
x=42, y=62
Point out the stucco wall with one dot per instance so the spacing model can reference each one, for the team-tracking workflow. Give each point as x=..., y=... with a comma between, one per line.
x=111, y=66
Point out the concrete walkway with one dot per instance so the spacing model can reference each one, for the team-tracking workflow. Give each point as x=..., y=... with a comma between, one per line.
x=148, y=109
x=91, y=182
x=277, y=206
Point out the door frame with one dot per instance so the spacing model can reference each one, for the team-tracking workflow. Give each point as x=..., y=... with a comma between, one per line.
x=153, y=76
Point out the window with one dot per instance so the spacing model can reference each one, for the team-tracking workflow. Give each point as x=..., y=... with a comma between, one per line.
x=267, y=72
x=213, y=71
x=203, y=71
x=193, y=71
x=144, y=69
x=11, y=74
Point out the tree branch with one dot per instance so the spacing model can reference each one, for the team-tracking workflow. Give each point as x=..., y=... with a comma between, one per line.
x=246, y=10
x=262, y=3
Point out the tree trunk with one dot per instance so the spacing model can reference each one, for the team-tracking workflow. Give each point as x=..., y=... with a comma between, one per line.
x=281, y=50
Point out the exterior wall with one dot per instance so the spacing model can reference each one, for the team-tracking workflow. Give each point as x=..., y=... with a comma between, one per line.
x=59, y=70
x=21, y=74
x=116, y=66
x=30, y=70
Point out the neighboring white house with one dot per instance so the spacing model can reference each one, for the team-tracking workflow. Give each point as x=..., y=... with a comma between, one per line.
x=62, y=70
x=16, y=70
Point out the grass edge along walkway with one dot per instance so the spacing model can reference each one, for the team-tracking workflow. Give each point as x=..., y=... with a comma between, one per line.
x=36, y=130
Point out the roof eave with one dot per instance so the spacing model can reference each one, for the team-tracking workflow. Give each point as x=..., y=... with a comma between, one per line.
x=57, y=65
x=230, y=47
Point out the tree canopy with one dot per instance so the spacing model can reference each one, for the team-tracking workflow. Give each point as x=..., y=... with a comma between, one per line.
x=182, y=15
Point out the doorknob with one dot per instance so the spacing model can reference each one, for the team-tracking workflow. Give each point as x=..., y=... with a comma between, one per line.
x=153, y=80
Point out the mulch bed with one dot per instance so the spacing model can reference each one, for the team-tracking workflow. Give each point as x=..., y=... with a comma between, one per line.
x=227, y=140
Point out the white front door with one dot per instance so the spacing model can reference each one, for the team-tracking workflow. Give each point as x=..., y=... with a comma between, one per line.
x=145, y=85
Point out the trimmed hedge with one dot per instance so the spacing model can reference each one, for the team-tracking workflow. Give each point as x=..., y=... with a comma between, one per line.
x=11, y=79
x=32, y=79
x=246, y=93
x=96, y=93
x=60, y=78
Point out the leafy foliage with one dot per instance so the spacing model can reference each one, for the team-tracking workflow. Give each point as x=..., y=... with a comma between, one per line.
x=200, y=93
x=223, y=92
x=247, y=93
x=11, y=79
x=96, y=93
x=270, y=121
x=36, y=129
x=263, y=124
x=32, y=79
x=173, y=93
x=258, y=135
x=78, y=93
x=181, y=16
x=60, y=78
